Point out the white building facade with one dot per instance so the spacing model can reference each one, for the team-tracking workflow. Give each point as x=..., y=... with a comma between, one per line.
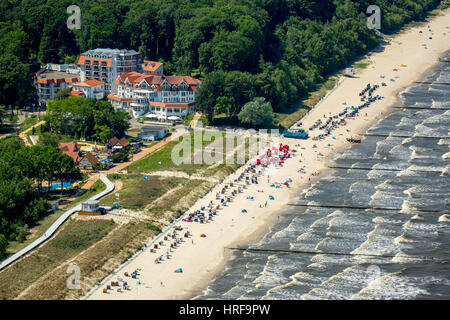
x=159, y=95
x=90, y=89
x=106, y=64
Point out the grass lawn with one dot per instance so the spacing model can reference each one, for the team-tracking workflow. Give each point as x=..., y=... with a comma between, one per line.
x=136, y=192
x=27, y=123
x=76, y=236
x=96, y=262
x=161, y=160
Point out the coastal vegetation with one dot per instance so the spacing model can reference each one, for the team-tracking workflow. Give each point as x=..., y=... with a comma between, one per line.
x=23, y=173
x=241, y=49
x=85, y=118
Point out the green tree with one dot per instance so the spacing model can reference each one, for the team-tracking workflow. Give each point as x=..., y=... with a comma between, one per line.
x=257, y=113
x=3, y=113
x=3, y=245
x=63, y=93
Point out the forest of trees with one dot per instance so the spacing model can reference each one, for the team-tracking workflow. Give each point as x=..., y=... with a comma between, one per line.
x=276, y=49
x=85, y=118
x=23, y=172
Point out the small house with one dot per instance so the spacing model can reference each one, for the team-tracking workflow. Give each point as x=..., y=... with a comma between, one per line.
x=87, y=162
x=90, y=208
x=115, y=144
x=153, y=133
x=72, y=149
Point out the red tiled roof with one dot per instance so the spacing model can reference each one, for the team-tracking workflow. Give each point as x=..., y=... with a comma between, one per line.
x=76, y=93
x=82, y=61
x=68, y=149
x=91, y=158
x=89, y=83
x=61, y=80
x=110, y=96
x=151, y=66
x=124, y=142
x=157, y=80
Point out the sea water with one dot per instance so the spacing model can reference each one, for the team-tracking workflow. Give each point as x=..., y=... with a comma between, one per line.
x=376, y=228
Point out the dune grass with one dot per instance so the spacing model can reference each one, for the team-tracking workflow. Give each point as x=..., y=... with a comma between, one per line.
x=76, y=236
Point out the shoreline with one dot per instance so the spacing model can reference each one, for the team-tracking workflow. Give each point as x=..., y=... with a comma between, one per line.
x=199, y=274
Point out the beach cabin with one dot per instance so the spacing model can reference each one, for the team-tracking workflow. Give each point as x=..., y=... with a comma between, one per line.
x=349, y=72
x=153, y=133
x=91, y=208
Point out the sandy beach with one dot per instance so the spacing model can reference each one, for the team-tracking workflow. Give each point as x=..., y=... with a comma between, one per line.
x=201, y=258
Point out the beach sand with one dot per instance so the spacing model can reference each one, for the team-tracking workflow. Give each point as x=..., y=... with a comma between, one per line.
x=202, y=258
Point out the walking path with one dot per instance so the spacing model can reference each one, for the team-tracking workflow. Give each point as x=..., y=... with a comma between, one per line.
x=50, y=231
x=23, y=135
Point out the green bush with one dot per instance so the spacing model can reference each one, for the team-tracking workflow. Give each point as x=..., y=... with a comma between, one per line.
x=3, y=245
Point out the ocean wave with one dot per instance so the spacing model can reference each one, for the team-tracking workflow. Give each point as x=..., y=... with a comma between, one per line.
x=444, y=218
x=402, y=239
x=391, y=286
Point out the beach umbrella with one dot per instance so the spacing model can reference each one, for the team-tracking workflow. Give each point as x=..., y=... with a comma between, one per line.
x=116, y=204
x=146, y=178
x=244, y=211
x=430, y=38
x=271, y=198
x=203, y=235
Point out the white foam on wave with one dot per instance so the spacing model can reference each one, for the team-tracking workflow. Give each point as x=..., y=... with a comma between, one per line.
x=391, y=286
x=419, y=152
x=445, y=172
x=340, y=285
x=417, y=217
x=444, y=218
x=403, y=239
x=446, y=155
x=414, y=190
x=444, y=141
x=384, y=220
x=407, y=208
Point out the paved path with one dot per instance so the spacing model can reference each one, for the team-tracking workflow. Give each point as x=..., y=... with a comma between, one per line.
x=23, y=136
x=50, y=231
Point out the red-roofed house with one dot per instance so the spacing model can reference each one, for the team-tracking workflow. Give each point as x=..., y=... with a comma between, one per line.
x=105, y=64
x=152, y=67
x=156, y=94
x=87, y=162
x=49, y=80
x=114, y=144
x=91, y=89
x=72, y=149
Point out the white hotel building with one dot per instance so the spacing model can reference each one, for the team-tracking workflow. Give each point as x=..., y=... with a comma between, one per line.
x=163, y=96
